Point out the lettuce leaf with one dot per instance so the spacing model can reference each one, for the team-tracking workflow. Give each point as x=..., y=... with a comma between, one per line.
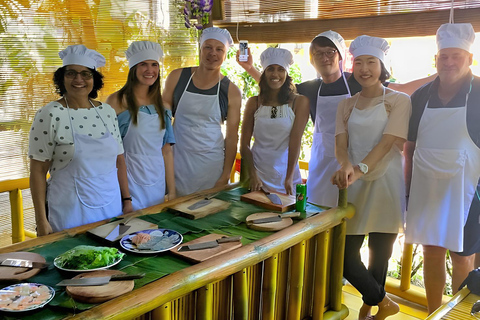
x=88, y=257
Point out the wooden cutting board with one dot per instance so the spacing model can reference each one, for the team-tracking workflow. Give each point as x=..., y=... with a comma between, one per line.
x=269, y=226
x=260, y=199
x=98, y=294
x=213, y=207
x=15, y=273
x=135, y=225
x=204, y=254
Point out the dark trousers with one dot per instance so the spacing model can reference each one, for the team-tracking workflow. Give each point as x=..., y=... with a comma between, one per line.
x=369, y=282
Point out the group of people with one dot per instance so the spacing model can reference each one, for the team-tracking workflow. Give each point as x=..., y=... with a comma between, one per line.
x=390, y=151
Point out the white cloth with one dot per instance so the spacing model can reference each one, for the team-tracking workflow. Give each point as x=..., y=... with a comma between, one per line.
x=270, y=149
x=279, y=56
x=219, y=34
x=199, y=151
x=81, y=55
x=379, y=200
x=86, y=190
x=455, y=35
x=144, y=160
x=337, y=40
x=57, y=145
x=323, y=163
x=446, y=169
x=139, y=51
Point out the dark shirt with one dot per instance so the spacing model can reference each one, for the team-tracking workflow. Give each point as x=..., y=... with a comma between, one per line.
x=429, y=92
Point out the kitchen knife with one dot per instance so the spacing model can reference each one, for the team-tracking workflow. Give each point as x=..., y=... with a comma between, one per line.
x=275, y=218
x=98, y=281
x=21, y=263
x=272, y=196
x=119, y=230
x=209, y=244
x=202, y=203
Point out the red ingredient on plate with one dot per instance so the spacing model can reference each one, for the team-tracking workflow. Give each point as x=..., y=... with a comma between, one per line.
x=140, y=238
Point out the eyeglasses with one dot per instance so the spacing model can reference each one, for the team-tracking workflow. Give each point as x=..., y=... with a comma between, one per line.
x=329, y=54
x=72, y=74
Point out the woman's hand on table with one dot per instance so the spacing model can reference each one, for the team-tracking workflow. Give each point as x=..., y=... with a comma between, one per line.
x=170, y=196
x=44, y=228
x=289, y=186
x=127, y=207
x=255, y=183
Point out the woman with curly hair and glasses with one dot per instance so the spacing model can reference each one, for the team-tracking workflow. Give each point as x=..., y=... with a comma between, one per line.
x=276, y=119
x=76, y=140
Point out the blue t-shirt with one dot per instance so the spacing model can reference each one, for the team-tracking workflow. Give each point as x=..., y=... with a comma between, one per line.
x=124, y=120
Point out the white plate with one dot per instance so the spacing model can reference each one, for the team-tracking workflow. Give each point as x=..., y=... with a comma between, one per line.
x=56, y=264
x=127, y=244
x=25, y=297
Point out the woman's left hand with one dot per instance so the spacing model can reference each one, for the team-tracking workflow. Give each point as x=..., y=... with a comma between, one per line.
x=342, y=178
x=289, y=186
x=127, y=207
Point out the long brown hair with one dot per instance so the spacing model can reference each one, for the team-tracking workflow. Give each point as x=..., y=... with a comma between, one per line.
x=285, y=94
x=154, y=91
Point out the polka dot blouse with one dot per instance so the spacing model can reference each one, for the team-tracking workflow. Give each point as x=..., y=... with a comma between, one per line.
x=51, y=136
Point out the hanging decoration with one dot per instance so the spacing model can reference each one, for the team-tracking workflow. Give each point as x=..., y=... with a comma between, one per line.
x=197, y=13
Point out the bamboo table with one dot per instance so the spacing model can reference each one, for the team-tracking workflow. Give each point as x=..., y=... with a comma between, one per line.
x=294, y=273
x=457, y=308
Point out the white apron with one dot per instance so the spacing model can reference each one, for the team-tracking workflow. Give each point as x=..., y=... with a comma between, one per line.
x=87, y=189
x=144, y=159
x=446, y=168
x=270, y=150
x=199, y=151
x=379, y=196
x=323, y=163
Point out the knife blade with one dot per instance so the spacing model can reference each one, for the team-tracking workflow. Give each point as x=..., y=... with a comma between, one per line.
x=98, y=281
x=22, y=263
x=275, y=218
x=202, y=203
x=119, y=230
x=275, y=199
x=209, y=244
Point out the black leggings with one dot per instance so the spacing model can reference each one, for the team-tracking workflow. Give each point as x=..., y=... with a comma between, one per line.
x=369, y=282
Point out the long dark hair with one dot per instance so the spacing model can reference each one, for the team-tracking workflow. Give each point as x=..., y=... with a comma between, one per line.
x=285, y=93
x=59, y=81
x=154, y=91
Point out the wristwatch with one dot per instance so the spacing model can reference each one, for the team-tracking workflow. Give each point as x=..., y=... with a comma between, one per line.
x=363, y=168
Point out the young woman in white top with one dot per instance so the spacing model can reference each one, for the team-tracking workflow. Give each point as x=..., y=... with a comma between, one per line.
x=276, y=119
x=371, y=128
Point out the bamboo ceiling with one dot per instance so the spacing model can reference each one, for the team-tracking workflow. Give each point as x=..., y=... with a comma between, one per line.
x=280, y=21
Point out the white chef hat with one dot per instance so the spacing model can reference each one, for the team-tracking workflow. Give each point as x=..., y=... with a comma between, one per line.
x=81, y=55
x=282, y=57
x=337, y=40
x=455, y=35
x=366, y=45
x=219, y=34
x=139, y=51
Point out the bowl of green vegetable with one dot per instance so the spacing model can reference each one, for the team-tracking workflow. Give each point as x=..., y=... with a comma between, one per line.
x=88, y=258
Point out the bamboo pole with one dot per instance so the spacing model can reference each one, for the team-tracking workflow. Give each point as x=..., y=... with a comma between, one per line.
x=320, y=284
x=406, y=272
x=205, y=302
x=16, y=205
x=163, y=312
x=269, y=288
x=297, y=264
x=240, y=295
x=181, y=282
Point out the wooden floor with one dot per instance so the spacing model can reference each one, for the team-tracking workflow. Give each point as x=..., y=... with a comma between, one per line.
x=408, y=310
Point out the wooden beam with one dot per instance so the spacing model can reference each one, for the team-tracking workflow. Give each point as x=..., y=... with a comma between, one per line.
x=387, y=26
x=218, y=10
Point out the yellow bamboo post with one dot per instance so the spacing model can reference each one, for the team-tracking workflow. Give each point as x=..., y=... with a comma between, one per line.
x=338, y=243
x=240, y=295
x=406, y=272
x=282, y=284
x=269, y=288
x=164, y=312
x=16, y=205
x=320, y=284
x=297, y=264
x=205, y=302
